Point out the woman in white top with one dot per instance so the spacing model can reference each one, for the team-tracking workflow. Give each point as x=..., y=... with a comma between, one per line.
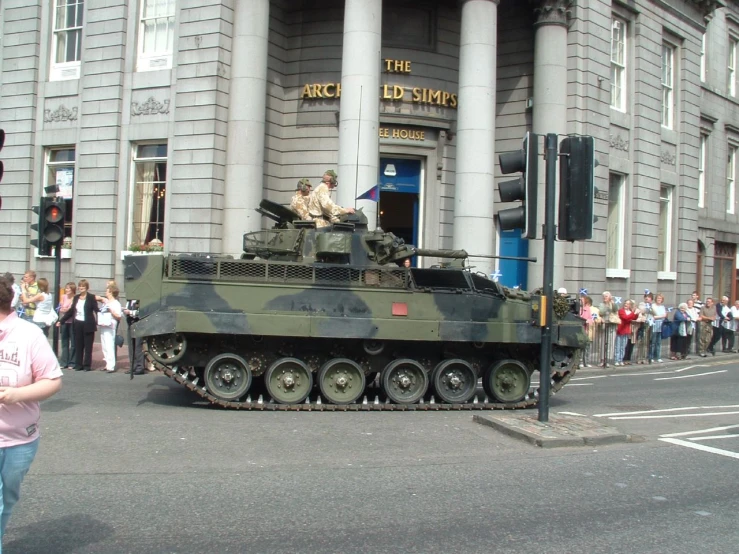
x=44, y=305
x=108, y=318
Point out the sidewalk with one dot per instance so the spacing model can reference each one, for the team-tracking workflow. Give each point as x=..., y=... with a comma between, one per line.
x=98, y=363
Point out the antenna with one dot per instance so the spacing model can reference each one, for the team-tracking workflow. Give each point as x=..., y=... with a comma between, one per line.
x=356, y=168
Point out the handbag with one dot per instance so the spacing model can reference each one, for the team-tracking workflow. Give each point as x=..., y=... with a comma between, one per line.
x=667, y=329
x=613, y=318
x=119, y=340
x=52, y=318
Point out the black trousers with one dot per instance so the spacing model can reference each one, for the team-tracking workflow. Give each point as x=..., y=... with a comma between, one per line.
x=727, y=338
x=715, y=337
x=82, y=346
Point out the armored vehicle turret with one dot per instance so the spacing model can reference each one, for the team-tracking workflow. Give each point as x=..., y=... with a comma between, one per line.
x=330, y=319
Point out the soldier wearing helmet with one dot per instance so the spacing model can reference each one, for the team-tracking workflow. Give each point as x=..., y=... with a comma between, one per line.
x=299, y=202
x=321, y=208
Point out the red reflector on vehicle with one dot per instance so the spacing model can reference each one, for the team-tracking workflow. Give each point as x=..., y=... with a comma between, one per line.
x=400, y=308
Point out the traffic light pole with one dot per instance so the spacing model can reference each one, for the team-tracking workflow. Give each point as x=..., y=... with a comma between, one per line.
x=57, y=298
x=548, y=288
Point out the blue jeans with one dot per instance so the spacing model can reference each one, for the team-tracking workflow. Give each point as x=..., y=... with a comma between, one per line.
x=620, y=347
x=14, y=464
x=655, y=348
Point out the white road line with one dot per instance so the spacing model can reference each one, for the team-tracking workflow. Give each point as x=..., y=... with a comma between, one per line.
x=580, y=384
x=711, y=430
x=690, y=367
x=571, y=413
x=666, y=416
x=587, y=378
x=703, y=447
x=638, y=374
x=690, y=376
x=713, y=438
x=669, y=410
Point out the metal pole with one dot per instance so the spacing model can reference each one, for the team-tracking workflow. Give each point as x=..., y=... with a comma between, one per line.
x=548, y=288
x=57, y=299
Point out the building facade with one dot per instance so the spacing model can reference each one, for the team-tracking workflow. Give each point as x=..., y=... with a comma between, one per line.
x=166, y=122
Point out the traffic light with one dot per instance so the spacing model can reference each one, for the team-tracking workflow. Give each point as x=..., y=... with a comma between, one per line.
x=576, y=188
x=54, y=221
x=39, y=227
x=524, y=188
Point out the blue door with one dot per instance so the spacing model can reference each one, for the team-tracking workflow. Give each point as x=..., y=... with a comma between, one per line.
x=513, y=273
x=400, y=184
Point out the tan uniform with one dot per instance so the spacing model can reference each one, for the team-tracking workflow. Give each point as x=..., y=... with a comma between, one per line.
x=299, y=204
x=322, y=209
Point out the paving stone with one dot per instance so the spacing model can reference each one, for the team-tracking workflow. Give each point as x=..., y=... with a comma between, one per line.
x=559, y=431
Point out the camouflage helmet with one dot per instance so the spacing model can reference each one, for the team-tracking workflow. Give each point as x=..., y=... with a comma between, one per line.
x=332, y=174
x=304, y=185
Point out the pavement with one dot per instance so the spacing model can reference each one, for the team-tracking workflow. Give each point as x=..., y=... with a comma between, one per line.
x=98, y=362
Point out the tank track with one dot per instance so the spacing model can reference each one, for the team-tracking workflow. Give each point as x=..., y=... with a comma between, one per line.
x=183, y=377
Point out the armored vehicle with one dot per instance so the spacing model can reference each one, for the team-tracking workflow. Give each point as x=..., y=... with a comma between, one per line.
x=331, y=319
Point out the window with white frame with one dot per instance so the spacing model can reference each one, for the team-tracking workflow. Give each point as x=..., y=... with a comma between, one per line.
x=703, y=58
x=664, y=250
x=668, y=85
x=156, y=35
x=149, y=193
x=60, y=163
x=67, y=39
x=731, y=76
x=702, y=171
x=618, y=64
x=731, y=179
x=615, y=226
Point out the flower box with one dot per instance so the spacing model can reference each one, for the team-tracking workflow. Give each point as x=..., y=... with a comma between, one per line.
x=125, y=253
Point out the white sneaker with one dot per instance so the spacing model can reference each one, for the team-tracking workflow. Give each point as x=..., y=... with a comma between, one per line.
x=660, y=360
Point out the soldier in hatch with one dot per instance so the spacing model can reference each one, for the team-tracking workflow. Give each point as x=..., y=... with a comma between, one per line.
x=321, y=208
x=299, y=202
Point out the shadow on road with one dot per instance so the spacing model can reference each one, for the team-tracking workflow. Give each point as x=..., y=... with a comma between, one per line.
x=61, y=535
x=165, y=392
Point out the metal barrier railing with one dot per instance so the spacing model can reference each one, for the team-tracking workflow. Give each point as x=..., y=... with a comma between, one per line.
x=601, y=349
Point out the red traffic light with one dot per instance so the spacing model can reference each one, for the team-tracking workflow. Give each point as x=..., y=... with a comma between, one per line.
x=54, y=214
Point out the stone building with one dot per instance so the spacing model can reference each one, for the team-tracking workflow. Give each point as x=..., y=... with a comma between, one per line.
x=167, y=121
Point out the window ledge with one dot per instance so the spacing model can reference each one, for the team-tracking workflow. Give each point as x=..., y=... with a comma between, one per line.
x=66, y=254
x=64, y=71
x=618, y=273
x=666, y=276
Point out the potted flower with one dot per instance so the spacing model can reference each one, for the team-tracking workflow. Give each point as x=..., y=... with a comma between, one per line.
x=155, y=246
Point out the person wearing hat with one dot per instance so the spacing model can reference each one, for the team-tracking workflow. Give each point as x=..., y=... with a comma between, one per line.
x=321, y=208
x=299, y=202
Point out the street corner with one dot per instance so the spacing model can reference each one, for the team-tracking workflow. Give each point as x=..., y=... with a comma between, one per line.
x=559, y=431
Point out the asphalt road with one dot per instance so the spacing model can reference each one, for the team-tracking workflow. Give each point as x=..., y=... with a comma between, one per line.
x=142, y=467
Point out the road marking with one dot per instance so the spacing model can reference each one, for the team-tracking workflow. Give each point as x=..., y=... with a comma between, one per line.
x=703, y=447
x=585, y=378
x=690, y=376
x=571, y=413
x=669, y=410
x=711, y=430
x=638, y=374
x=580, y=384
x=690, y=367
x=665, y=416
x=714, y=437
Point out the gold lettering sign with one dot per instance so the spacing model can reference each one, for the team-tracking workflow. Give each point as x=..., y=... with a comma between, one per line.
x=388, y=93
x=398, y=66
x=401, y=133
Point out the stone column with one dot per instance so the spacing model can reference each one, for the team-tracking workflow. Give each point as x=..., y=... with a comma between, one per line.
x=474, y=225
x=359, y=115
x=550, y=114
x=246, y=123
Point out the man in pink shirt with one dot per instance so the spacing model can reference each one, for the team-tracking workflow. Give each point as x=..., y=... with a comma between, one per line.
x=29, y=373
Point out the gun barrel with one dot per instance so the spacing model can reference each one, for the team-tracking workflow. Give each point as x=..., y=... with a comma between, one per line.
x=456, y=254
